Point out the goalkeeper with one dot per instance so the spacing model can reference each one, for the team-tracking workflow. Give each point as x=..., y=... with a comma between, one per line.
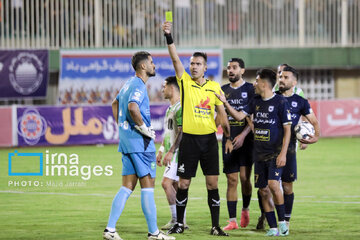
x=131, y=110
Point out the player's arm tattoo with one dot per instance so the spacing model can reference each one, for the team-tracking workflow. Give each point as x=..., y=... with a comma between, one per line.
x=177, y=140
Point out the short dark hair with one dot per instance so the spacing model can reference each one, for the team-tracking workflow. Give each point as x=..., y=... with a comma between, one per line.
x=293, y=70
x=283, y=64
x=200, y=54
x=267, y=74
x=138, y=57
x=172, y=81
x=238, y=60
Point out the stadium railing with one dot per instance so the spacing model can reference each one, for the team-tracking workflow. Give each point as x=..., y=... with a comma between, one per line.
x=55, y=24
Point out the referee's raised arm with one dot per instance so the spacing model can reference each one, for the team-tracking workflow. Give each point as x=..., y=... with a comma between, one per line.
x=179, y=68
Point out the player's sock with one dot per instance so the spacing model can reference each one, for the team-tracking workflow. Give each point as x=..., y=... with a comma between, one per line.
x=173, y=211
x=271, y=219
x=246, y=201
x=156, y=232
x=232, y=209
x=288, y=201
x=117, y=206
x=214, y=205
x=149, y=208
x=260, y=202
x=181, y=201
x=280, y=210
x=185, y=216
x=110, y=229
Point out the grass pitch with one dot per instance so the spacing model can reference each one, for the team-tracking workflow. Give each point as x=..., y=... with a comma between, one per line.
x=327, y=198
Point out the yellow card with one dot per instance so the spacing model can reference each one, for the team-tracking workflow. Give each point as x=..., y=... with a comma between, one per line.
x=168, y=16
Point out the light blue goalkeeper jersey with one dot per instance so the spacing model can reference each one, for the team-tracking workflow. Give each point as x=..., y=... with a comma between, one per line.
x=131, y=140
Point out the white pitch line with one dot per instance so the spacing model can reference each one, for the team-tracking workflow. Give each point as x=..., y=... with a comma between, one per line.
x=162, y=197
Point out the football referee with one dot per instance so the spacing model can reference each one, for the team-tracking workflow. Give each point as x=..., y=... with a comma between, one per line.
x=199, y=141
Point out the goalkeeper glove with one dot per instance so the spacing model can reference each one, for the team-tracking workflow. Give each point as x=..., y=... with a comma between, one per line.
x=146, y=131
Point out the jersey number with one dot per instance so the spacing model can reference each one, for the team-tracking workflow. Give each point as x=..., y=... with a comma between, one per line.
x=170, y=124
x=256, y=177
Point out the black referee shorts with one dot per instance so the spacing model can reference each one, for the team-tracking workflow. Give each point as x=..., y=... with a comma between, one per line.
x=194, y=148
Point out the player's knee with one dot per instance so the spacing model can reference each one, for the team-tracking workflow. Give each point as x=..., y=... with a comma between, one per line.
x=264, y=192
x=184, y=184
x=288, y=189
x=129, y=185
x=211, y=185
x=232, y=181
x=274, y=185
x=211, y=182
x=244, y=179
x=165, y=184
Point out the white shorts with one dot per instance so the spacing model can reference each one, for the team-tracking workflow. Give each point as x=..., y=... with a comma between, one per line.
x=171, y=170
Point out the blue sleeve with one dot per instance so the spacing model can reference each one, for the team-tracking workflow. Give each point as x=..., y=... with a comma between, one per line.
x=137, y=94
x=284, y=112
x=306, y=108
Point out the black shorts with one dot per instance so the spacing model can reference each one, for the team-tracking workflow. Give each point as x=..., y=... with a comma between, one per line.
x=242, y=157
x=290, y=170
x=194, y=148
x=265, y=171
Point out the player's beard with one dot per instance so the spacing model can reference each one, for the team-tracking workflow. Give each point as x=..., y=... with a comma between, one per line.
x=234, y=79
x=283, y=88
x=151, y=74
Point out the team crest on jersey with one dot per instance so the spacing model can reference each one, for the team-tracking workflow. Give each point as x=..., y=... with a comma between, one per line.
x=244, y=94
x=257, y=108
x=271, y=108
x=294, y=104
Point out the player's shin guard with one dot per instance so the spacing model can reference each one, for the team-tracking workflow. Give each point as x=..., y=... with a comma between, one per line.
x=280, y=210
x=149, y=208
x=214, y=205
x=118, y=205
x=181, y=201
x=288, y=201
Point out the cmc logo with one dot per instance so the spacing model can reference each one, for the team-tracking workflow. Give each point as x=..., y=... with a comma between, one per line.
x=31, y=126
x=26, y=73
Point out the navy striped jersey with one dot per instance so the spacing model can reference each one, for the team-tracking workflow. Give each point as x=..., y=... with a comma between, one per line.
x=298, y=106
x=269, y=117
x=238, y=98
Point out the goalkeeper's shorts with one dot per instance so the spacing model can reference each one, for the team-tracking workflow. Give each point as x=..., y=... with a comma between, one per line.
x=140, y=164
